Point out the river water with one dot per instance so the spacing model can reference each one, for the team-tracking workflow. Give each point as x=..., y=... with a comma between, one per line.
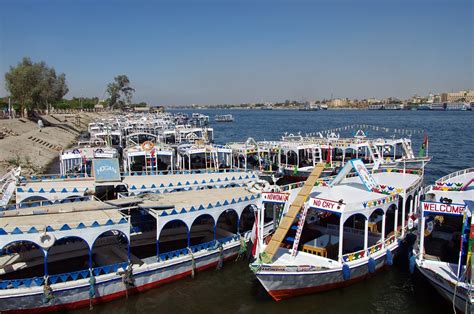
x=233, y=289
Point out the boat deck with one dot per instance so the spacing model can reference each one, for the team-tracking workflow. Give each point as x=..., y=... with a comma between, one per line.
x=462, y=178
x=446, y=270
x=193, y=198
x=58, y=215
x=399, y=180
x=283, y=257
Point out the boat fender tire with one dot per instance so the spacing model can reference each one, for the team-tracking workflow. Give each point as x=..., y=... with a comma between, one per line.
x=46, y=240
x=389, y=258
x=371, y=264
x=346, y=272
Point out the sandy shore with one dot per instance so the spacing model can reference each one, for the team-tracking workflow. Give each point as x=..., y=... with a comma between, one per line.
x=35, y=149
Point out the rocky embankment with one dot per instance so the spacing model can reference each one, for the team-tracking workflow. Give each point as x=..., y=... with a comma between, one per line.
x=24, y=144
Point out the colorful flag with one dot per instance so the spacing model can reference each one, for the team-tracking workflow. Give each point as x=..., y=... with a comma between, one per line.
x=328, y=156
x=424, y=147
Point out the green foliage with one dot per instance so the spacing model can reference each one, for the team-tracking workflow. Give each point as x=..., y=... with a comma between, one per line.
x=77, y=103
x=35, y=85
x=120, y=92
x=141, y=104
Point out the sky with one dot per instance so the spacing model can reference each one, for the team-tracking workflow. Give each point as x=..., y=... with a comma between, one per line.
x=229, y=51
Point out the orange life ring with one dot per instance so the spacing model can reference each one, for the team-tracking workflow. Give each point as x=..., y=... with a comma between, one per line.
x=147, y=145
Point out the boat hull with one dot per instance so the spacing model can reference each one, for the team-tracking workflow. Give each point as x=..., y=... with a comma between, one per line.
x=281, y=285
x=446, y=288
x=75, y=294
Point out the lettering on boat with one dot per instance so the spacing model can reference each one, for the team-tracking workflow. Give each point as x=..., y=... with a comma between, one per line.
x=275, y=197
x=106, y=170
x=453, y=209
x=326, y=204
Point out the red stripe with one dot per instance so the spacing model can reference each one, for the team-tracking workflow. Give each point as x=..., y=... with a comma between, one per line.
x=116, y=295
x=282, y=294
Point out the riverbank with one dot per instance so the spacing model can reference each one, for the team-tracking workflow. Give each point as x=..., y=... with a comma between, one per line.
x=35, y=149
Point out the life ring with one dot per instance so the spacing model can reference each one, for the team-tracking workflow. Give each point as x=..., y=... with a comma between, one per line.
x=147, y=145
x=258, y=186
x=46, y=240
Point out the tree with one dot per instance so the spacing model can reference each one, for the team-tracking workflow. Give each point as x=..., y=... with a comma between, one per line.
x=120, y=92
x=35, y=85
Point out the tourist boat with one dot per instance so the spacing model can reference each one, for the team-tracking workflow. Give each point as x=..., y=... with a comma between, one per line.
x=144, y=154
x=443, y=254
x=63, y=248
x=199, y=119
x=261, y=156
x=78, y=160
x=199, y=156
x=66, y=256
x=301, y=153
x=224, y=118
x=333, y=234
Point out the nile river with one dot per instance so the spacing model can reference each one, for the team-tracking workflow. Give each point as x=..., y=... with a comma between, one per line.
x=233, y=289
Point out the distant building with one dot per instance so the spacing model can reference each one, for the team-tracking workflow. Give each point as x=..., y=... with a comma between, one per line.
x=339, y=102
x=467, y=96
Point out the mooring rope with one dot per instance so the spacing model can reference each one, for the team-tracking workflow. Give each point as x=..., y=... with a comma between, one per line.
x=221, y=257
x=91, y=289
x=193, y=263
x=47, y=291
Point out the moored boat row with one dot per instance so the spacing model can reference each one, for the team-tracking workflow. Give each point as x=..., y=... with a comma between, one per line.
x=162, y=202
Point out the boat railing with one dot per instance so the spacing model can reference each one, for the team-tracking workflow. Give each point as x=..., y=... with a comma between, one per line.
x=211, y=245
x=22, y=229
x=291, y=186
x=59, y=177
x=63, y=277
x=39, y=203
x=53, y=177
x=455, y=174
x=349, y=257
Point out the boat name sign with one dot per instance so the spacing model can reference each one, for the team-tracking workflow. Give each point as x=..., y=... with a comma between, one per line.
x=271, y=197
x=442, y=208
x=325, y=204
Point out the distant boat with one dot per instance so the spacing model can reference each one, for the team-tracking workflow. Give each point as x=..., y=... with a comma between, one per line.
x=224, y=118
x=308, y=108
x=323, y=107
x=267, y=107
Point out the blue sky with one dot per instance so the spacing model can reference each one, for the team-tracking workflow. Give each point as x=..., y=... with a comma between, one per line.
x=183, y=52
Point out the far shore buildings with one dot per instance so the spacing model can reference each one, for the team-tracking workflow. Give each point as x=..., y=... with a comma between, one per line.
x=466, y=96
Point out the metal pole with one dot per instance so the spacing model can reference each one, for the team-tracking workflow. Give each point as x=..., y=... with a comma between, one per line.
x=341, y=235
x=366, y=234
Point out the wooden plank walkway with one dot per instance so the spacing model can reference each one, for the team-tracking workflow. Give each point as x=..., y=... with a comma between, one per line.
x=293, y=211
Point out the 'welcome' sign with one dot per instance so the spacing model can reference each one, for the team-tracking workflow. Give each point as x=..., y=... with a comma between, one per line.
x=441, y=208
x=106, y=170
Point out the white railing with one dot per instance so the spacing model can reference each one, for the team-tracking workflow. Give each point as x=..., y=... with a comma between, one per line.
x=455, y=174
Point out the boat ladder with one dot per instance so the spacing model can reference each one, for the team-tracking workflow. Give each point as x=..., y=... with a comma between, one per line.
x=293, y=211
x=7, y=188
x=408, y=150
x=375, y=153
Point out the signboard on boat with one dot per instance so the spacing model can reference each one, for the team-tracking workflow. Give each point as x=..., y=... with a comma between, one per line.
x=364, y=175
x=273, y=197
x=106, y=170
x=362, y=172
x=328, y=205
x=442, y=208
